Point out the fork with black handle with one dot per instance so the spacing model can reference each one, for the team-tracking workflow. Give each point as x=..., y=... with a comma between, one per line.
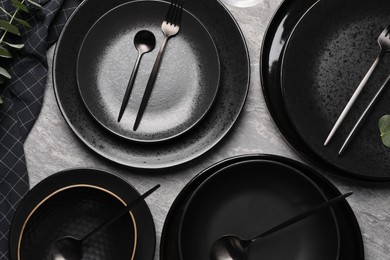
x=170, y=27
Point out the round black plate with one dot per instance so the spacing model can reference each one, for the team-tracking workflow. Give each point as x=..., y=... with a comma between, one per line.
x=351, y=244
x=37, y=222
x=232, y=92
x=250, y=197
x=274, y=43
x=325, y=60
x=185, y=87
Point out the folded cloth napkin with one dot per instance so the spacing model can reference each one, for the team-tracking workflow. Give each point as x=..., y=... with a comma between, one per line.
x=23, y=96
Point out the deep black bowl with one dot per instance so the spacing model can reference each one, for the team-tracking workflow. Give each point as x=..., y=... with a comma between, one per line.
x=72, y=203
x=250, y=197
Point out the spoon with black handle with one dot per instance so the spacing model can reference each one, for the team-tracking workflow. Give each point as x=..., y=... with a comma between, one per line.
x=71, y=248
x=144, y=41
x=232, y=247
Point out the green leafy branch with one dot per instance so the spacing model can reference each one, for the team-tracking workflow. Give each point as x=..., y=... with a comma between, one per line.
x=10, y=26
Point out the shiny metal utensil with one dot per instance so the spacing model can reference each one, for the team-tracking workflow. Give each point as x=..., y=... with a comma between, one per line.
x=71, y=248
x=232, y=247
x=144, y=42
x=170, y=27
x=363, y=116
x=384, y=45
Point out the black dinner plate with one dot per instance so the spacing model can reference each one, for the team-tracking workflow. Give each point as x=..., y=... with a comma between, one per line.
x=232, y=92
x=185, y=87
x=250, y=197
x=324, y=61
x=278, y=32
x=351, y=244
x=73, y=202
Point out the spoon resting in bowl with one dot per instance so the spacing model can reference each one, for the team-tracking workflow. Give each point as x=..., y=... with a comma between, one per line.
x=232, y=247
x=71, y=248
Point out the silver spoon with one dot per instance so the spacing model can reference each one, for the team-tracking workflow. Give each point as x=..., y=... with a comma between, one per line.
x=232, y=247
x=144, y=41
x=71, y=248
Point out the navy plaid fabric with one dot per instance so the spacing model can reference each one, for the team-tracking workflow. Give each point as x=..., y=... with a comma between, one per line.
x=23, y=96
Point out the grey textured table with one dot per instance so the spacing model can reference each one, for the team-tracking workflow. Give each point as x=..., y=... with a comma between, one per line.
x=52, y=146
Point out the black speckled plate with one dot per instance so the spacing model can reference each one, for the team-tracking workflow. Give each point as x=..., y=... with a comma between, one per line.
x=232, y=92
x=185, y=87
x=274, y=43
x=351, y=244
x=73, y=202
x=327, y=55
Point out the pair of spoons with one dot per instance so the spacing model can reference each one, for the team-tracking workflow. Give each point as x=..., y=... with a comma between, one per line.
x=71, y=248
x=144, y=42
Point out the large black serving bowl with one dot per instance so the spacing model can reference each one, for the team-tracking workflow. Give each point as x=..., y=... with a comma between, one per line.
x=249, y=197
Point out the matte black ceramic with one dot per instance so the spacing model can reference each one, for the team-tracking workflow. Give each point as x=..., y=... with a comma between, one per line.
x=274, y=43
x=351, y=244
x=247, y=198
x=232, y=92
x=185, y=88
x=73, y=202
x=325, y=60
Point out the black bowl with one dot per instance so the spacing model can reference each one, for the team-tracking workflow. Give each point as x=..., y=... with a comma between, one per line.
x=72, y=203
x=246, y=199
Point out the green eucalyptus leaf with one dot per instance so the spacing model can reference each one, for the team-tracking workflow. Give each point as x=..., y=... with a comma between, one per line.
x=22, y=22
x=384, y=128
x=4, y=73
x=1, y=102
x=6, y=26
x=5, y=53
x=14, y=45
x=19, y=5
x=34, y=3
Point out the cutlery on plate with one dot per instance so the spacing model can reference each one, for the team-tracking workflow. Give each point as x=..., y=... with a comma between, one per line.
x=170, y=27
x=71, y=248
x=384, y=45
x=232, y=247
x=144, y=41
x=363, y=116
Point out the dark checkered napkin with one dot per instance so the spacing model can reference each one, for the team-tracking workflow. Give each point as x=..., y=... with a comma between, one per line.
x=23, y=98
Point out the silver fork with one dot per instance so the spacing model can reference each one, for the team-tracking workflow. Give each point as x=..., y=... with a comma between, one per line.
x=170, y=27
x=384, y=45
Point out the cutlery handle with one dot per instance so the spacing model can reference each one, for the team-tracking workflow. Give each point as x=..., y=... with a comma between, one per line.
x=363, y=116
x=123, y=211
x=129, y=87
x=150, y=84
x=353, y=99
x=302, y=216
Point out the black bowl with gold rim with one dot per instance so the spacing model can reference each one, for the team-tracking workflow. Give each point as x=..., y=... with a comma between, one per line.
x=75, y=201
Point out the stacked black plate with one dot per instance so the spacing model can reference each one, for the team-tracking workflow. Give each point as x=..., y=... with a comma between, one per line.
x=248, y=194
x=314, y=55
x=199, y=93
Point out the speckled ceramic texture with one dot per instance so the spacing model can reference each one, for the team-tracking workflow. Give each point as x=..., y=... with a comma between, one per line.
x=186, y=85
x=351, y=245
x=55, y=208
x=232, y=92
x=328, y=54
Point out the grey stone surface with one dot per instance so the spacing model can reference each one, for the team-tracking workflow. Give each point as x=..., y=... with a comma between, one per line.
x=51, y=147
